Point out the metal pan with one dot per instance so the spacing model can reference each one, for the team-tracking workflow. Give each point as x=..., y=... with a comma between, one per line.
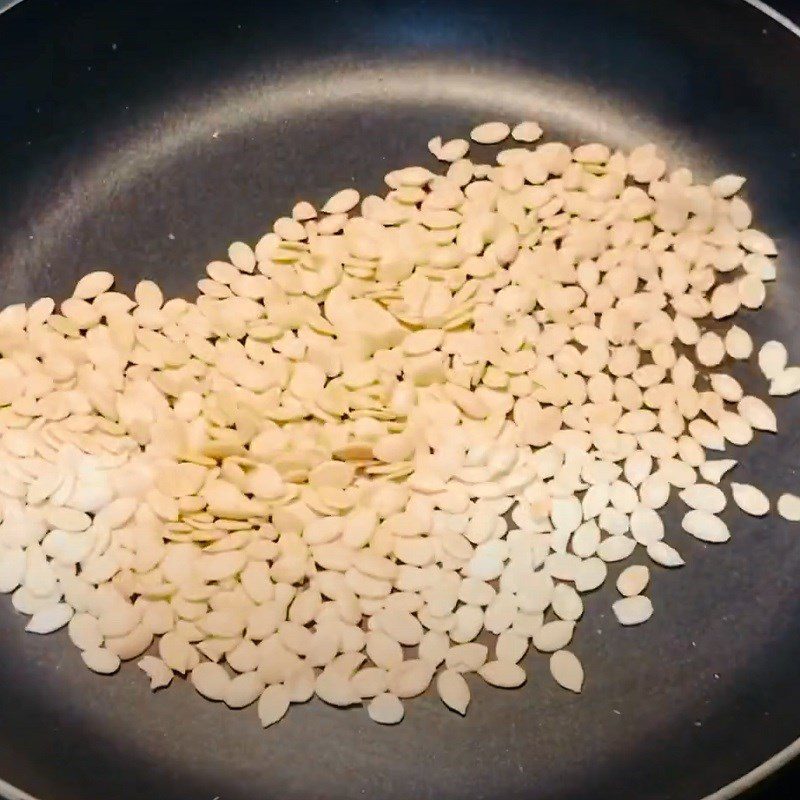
x=144, y=136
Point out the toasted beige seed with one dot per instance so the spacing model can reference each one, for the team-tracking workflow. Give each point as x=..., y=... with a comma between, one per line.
x=633, y=580
x=315, y=461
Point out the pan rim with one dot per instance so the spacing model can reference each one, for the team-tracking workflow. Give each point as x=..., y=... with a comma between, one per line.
x=731, y=790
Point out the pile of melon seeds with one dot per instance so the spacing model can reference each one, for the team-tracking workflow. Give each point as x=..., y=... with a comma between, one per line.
x=394, y=425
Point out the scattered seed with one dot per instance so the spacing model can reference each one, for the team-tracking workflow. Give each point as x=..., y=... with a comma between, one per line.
x=633, y=610
x=386, y=709
x=786, y=382
x=633, y=580
x=453, y=690
x=789, y=507
x=273, y=704
x=504, y=674
x=705, y=526
x=750, y=499
x=527, y=132
x=315, y=462
x=490, y=132
x=567, y=670
x=772, y=359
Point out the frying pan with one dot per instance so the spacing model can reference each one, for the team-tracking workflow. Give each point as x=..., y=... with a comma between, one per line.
x=143, y=137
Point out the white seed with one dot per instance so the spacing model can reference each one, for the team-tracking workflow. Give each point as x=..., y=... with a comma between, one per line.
x=273, y=704
x=386, y=709
x=453, y=690
x=553, y=636
x=713, y=471
x=342, y=202
x=157, y=671
x=789, y=507
x=727, y=185
x=772, y=359
x=50, y=618
x=757, y=414
x=786, y=383
x=633, y=610
x=664, y=555
x=490, y=132
x=210, y=680
x=705, y=526
x=738, y=343
x=504, y=674
x=567, y=670
x=616, y=548
x=527, y=131
x=93, y=284
x=453, y=150
x=750, y=499
x=710, y=349
x=100, y=660
x=704, y=497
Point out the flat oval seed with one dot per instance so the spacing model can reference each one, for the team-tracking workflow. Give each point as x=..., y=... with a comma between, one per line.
x=100, y=660
x=504, y=674
x=750, y=499
x=93, y=284
x=772, y=359
x=633, y=580
x=527, y=131
x=50, y=618
x=705, y=526
x=567, y=670
x=342, y=202
x=633, y=610
x=789, y=507
x=664, y=555
x=704, y=497
x=386, y=709
x=490, y=132
x=453, y=690
x=273, y=704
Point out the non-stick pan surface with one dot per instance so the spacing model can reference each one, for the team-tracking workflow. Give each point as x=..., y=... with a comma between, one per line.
x=142, y=137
